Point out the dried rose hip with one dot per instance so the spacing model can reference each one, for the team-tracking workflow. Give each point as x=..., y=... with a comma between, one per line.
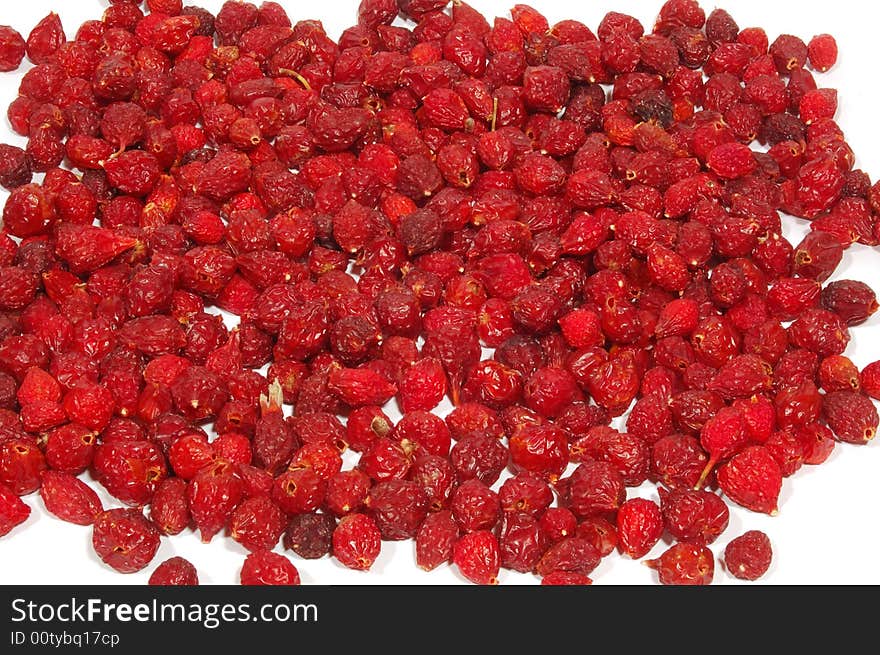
x=870, y=380
x=13, y=510
x=435, y=540
x=212, y=495
x=685, y=564
x=356, y=541
x=639, y=527
x=752, y=478
x=16, y=166
x=822, y=52
x=263, y=567
x=697, y=517
x=748, y=556
x=124, y=539
x=45, y=39
x=174, y=571
x=309, y=535
x=851, y=415
x=572, y=554
x=257, y=523
x=169, y=509
x=69, y=498
x=476, y=557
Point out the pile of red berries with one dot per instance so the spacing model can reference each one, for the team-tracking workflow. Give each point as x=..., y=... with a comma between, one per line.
x=376, y=212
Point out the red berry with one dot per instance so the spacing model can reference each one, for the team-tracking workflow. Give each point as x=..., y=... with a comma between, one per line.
x=257, y=523
x=477, y=558
x=13, y=511
x=435, y=540
x=748, y=556
x=21, y=465
x=174, y=571
x=356, y=541
x=377, y=210
x=212, y=496
x=685, y=564
x=45, y=39
x=753, y=479
x=639, y=527
x=565, y=578
x=697, y=517
x=169, y=509
x=12, y=48
x=124, y=539
x=822, y=52
x=309, y=535
x=263, y=567
x=69, y=498
x=572, y=554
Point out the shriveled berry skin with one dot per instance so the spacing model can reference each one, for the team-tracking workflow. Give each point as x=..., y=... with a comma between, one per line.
x=870, y=380
x=16, y=167
x=212, y=496
x=525, y=492
x=257, y=523
x=299, y=490
x=627, y=452
x=309, y=535
x=435, y=540
x=678, y=461
x=347, y=491
x=477, y=558
x=21, y=465
x=854, y=302
x=541, y=449
x=550, y=390
x=169, y=509
x=752, y=478
x=263, y=567
x=722, y=435
x=130, y=470
x=475, y=506
x=572, y=554
x=697, y=517
x=594, y=488
x=356, y=542
x=398, y=508
x=12, y=48
x=423, y=386
x=822, y=52
x=175, y=571
x=600, y=532
x=851, y=415
x=13, y=510
x=124, y=539
x=685, y=564
x=748, y=556
x=69, y=498
x=199, y=393
x=521, y=541
x=639, y=527
x=479, y=456
x=556, y=523
x=839, y=373
x=274, y=443
x=817, y=256
x=45, y=39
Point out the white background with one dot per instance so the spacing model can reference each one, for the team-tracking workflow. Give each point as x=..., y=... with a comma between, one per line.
x=827, y=528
